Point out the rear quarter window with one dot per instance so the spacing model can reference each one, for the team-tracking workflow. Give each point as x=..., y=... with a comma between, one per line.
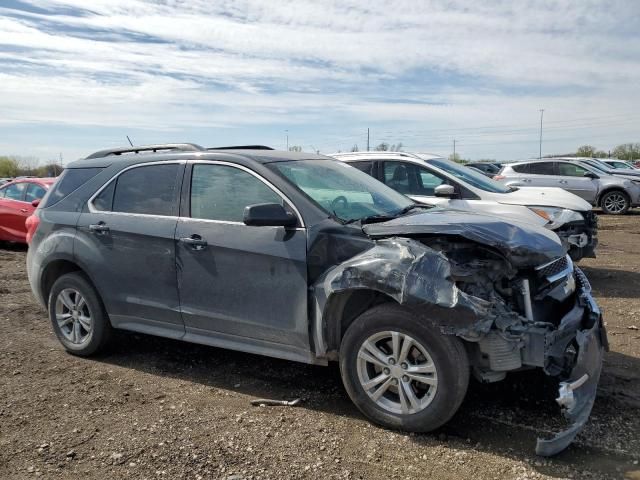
x=69, y=181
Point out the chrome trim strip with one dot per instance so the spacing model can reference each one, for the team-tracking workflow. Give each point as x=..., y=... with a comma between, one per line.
x=92, y=208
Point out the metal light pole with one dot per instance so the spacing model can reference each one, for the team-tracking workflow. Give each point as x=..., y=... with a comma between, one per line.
x=540, y=151
x=287, y=136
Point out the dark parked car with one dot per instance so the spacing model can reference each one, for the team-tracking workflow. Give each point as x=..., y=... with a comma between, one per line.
x=305, y=258
x=18, y=200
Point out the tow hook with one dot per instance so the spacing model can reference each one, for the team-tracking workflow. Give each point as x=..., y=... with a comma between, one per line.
x=566, y=398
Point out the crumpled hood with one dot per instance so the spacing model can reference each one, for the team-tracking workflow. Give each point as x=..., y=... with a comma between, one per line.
x=545, y=197
x=522, y=245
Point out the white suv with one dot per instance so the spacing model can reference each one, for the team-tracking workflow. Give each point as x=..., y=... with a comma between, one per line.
x=434, y=180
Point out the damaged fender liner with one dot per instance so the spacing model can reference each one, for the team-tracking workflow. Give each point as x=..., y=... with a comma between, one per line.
x=577, y=395
x=413, y=275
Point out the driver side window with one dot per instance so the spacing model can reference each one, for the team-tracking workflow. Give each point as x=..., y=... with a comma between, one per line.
x=571, y=170
x=221, y=192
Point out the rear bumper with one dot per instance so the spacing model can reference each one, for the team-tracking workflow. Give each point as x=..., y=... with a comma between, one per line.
x=582, y=327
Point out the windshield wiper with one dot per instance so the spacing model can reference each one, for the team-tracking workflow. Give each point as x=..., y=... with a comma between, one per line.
x=407, y=209
x=383, y=217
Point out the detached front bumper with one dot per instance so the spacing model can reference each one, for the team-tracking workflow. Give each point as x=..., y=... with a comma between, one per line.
x=580, y=238
x=582, y=329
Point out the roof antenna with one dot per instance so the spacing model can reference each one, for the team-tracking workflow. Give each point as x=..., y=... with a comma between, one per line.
x=130, y=142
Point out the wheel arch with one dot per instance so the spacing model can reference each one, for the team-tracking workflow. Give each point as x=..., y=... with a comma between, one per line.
x=342, y=308
x=611, y=189
x=57, y=268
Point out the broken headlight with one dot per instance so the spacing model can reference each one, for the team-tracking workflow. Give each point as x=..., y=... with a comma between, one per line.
x=557, y=216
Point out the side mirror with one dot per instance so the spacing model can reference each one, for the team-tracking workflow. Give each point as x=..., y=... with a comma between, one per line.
x=35, y=203
x=444, y=191
x=268, y=215
x=590, y=175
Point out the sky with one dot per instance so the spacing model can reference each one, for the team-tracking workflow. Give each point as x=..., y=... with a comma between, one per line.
x=78, y=76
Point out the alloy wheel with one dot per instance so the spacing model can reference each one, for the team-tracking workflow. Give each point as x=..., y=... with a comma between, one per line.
x=397, y=372
x=615, y=202
x=73, y=316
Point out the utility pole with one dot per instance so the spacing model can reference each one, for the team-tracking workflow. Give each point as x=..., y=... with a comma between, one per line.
x=286, y=132
x=540, y=151
x=454, y=149
x=367, y=139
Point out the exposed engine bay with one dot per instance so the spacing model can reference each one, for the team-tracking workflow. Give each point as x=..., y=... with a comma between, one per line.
x=511, y=318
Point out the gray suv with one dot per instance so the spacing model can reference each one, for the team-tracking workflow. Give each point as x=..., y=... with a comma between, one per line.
x=615, y=195
x=305, y=258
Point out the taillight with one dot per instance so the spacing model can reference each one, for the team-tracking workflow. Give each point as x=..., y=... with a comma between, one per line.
x=499, y=177
x=31, y=223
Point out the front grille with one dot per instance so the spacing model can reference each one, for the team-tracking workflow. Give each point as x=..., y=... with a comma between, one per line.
x=553, y=268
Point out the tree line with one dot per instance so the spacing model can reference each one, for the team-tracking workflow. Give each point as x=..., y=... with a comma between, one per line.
x=11, y=167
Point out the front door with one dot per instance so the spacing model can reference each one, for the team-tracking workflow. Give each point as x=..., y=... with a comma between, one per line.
x=126, y=241
x=572, y=179
x=239, y=283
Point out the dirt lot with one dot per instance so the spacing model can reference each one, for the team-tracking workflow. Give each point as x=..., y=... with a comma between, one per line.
x=154, y=408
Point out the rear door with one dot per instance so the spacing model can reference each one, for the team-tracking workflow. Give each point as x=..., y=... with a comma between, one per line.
x=573, y=180
x=125, y=240
x=240, y=286
x=14, y=210
x=542, y=174
x=415, y=181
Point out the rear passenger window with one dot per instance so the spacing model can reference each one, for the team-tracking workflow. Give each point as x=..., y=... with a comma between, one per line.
x=524, y=168
x=219, y=192
x=542, y=168
x=365, y=166
x=148, y=190
x=69, y=180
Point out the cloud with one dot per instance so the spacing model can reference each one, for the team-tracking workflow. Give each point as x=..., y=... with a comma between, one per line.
x=323, y=68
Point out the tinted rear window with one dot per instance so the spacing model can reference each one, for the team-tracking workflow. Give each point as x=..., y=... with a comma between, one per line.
x=69, y=181
x=149, y=190
x=543, y=168
x=524, y=168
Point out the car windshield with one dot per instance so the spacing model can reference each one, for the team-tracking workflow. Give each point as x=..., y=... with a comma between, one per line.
x=342, y=190
x=472, y=177
x=604, y=168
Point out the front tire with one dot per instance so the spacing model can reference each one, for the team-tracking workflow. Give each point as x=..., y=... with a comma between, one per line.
x=77, y=315
x=400, y=371
x=615, y=202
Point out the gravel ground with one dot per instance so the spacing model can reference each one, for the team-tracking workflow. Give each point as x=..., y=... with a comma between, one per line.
x=155, y=408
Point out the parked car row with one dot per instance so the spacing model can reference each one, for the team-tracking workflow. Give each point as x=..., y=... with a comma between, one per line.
x=304, y=257
x=433, y=180
x=614, y=192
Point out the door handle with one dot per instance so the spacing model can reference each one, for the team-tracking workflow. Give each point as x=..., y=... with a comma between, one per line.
x=526, y=180
x=564, y=181
x=24, y=210
x=195, y=241
x=100, y=228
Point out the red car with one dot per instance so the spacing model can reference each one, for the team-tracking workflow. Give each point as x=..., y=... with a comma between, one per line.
x=18, y=200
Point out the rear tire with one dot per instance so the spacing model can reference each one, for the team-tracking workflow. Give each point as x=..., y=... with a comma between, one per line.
x=77, y=315
x=615, y=202
x=388, y=347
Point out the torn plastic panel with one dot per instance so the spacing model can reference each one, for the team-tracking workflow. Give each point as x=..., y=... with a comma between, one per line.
x=522, y=245
x=577, y=394
x=414, y=275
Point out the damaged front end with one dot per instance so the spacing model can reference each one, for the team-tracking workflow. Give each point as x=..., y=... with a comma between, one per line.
x=580, y=237
x=511, y=317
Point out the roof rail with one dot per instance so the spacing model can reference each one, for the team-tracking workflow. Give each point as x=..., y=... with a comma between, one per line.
x=182, y=147
x=242, y=147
